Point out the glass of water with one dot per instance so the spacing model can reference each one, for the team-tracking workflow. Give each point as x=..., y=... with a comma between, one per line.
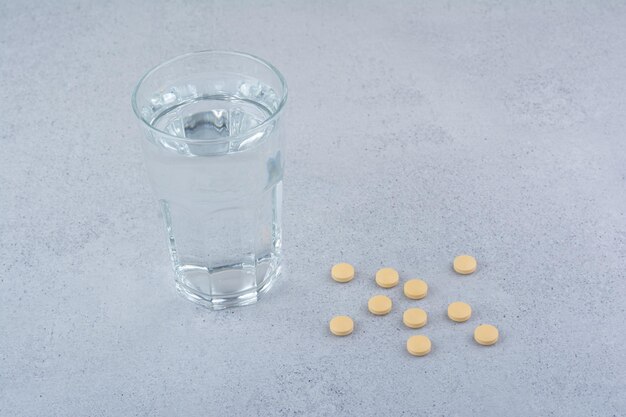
x=213, y=149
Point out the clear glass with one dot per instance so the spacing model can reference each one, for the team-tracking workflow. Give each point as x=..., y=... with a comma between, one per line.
x=213, y=149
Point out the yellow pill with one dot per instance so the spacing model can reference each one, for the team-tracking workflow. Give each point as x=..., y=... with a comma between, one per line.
x=387, y=277
x=486, y=334
x=415, y=289
x=342, y=272
x=341, y=325
x=459, y=311
x=415, y=318
x=418, y=345
x=379, y=305
x=464, y=264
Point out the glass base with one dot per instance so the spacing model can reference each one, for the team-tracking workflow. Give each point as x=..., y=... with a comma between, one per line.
x=242, y=298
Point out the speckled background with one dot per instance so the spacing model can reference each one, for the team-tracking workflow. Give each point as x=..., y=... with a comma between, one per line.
x=417, y=131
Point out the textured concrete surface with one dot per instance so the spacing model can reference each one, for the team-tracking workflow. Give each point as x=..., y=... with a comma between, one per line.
x=418, y=130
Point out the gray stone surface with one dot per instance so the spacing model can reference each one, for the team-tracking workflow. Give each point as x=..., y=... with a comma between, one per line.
x=417, y=131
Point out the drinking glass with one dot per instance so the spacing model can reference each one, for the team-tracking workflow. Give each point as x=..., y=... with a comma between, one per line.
x=213, y=150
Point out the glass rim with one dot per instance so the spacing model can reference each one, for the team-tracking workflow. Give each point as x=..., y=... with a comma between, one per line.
x=261, y=126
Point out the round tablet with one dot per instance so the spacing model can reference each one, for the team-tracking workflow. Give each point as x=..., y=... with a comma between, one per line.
x=459, y=311
x=342, y=272
x=387, y=277
x=415, y=289
x=379, y=305
x=486, y=334
x=341, y=325
x=418, y=345
x=414, y=318
x=464, y=264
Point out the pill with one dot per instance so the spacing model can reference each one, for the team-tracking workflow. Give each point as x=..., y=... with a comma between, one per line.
x=459, y=311
x=415, y=289
x=414, y=318
x=486, y=334
x=379, y=305
x=342, y=272
x=341, y=325
x=418, y=345
x=464, y=264
x=387, y=277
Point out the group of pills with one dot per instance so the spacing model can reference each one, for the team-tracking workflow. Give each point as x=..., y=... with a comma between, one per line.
x=415, y=318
